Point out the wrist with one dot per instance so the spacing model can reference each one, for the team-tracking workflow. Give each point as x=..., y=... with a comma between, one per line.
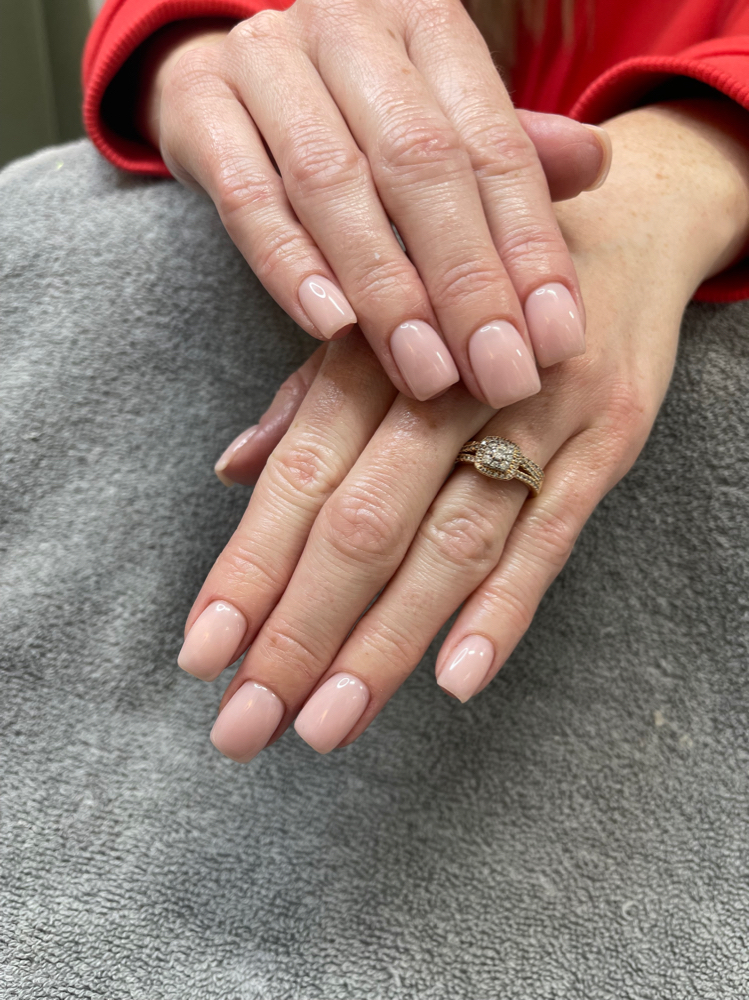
x=159, y=56
x=676, y=202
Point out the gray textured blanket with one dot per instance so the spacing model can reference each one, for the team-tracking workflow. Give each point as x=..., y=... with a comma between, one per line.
x=580, y=831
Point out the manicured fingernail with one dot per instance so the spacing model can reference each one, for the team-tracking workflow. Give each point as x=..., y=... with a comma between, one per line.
x=248, y=720
x=607, y=153
x=272, y=425
x=423, y=359
x=554, y=324
x=332, y=711
x=212, y=642
x=502, y=364
x=465, y=670
x=326, y=305
x=231, y=451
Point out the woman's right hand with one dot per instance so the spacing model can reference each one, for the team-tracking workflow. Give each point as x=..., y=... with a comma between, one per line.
x=377, y=112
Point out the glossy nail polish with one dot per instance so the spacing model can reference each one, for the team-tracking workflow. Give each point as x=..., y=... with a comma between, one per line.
x=213, y=641
x=332, y=712
x=247, y=722
x=326, y=305
x=466, y=668
x=607, y=151
x=502, y=363
x=264, y=435
x=423, y=359
x=231, y=451
x=554, y=324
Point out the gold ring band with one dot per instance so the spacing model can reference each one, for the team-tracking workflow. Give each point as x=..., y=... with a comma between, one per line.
x=499, y=458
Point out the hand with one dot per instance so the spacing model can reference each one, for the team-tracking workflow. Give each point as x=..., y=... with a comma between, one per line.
x=359, y=500
x=414, y=126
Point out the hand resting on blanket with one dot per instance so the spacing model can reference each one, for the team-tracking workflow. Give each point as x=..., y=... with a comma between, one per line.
x=360, y=498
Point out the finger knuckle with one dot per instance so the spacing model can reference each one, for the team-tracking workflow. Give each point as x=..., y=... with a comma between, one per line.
x=466, y=538
x=531, y=242
x=551, y=535
x=245, y=567
x=337, y=9
x=238, y=189
x=294, y=387
x=410, y=147
x=278, y=251
x=328, y=23
x=266, y=25
x=433, y=15
x=290, y=645
x=391, y=643
x=514, y=606
x=468, y=277
x=304, y=469
x=361, y=526
x=195, y=73
x=499, y=152
x=626, y=411
x=449, y=11
x=316, y=166
x=390, y=281
x=628, y=403
x=291, y=391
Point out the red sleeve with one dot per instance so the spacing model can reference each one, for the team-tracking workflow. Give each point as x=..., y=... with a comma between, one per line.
x=722, y=62
x=122, y=26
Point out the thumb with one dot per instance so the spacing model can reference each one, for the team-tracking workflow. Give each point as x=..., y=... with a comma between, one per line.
x=245, y=458
x=575, y=157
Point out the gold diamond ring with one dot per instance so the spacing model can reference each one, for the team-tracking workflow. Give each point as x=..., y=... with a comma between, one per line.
x=499, y=458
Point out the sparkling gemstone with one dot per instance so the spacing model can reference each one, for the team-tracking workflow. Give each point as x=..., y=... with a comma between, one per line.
x=495, y=453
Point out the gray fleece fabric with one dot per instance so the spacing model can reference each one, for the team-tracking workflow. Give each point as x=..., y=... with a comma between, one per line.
x=580, y=831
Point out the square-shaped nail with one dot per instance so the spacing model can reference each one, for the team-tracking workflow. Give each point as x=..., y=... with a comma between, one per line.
x=464, y=670
x=326, y=305
x=503, y=364
x=423, y=359
x=213, y=641
x=554, y=324
x=247, y=722
x=332, y=712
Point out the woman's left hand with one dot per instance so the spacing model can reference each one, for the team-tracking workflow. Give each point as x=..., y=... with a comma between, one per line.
x=358, y=499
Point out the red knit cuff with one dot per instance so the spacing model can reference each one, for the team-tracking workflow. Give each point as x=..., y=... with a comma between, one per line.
x=122, y=26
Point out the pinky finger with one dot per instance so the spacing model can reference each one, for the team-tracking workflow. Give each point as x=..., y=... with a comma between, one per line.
x=499, y=612
x=208, y=139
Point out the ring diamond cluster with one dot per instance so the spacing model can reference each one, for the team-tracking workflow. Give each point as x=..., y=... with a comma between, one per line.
x=499, y=458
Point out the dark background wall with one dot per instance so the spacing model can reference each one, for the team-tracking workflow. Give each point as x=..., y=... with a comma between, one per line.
x=41, y=42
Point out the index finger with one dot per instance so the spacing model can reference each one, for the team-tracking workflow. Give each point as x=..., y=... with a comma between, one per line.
x=350, y=396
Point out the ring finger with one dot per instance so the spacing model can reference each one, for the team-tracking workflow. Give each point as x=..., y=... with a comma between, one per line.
x=498, y=613
x=459, y=543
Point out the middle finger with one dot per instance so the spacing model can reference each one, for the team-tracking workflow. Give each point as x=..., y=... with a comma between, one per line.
x=425, y=179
